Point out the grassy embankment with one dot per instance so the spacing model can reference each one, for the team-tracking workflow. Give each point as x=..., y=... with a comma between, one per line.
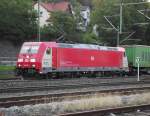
x=85, y=103
x=6, y=69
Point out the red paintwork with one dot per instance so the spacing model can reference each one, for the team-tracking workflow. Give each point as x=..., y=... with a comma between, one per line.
x=38, y=64
x=70, y=57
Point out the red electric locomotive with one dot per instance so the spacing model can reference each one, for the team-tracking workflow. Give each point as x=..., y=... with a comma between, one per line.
x=52, y=57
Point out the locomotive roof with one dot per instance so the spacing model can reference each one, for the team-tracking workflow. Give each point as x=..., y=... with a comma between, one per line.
x=89, y=46
x=32, y=43
x=84, y=46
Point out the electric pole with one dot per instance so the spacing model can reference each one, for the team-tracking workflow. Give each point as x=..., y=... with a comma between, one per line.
x=39, y=30
x=120, y=27
x=121, y=5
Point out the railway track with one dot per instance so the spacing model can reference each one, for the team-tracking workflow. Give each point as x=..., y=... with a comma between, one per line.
x=31, y=100
x=27, y=83
x=61, y=86
x=20, y=80
x=137, y=110
x=30, y=79
x=7, y=83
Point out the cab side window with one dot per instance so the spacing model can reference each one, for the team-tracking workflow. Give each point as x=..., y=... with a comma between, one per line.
x=48, y=51
x=124, y=54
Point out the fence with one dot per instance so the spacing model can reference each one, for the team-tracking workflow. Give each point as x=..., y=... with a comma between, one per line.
x=8, y=61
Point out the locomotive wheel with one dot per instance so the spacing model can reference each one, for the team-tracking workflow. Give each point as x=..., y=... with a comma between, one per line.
x=25, y=76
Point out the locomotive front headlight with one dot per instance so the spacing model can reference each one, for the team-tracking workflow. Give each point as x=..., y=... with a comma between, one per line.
x=33, y=65
x=20, y=60
x=32, y=60
x=19, y=65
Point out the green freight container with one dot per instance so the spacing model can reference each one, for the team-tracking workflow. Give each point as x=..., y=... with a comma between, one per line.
x=141, y=51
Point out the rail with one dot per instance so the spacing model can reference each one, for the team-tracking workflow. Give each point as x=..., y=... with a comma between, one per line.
x=66, y=86
x=110, y=111
x=8, y=61
x=31, y=100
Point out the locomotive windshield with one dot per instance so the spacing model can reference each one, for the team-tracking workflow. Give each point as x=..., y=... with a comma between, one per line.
x=29, y=49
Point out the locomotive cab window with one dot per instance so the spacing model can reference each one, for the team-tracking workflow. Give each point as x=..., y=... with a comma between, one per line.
x=28, y=49
x=48, y=51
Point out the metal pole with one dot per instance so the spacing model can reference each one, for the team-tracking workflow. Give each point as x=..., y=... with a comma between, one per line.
x=138, y=79
x=39, y=30
x=120, y=28
x=138, y=68
x=118, y=36
x=121, y=16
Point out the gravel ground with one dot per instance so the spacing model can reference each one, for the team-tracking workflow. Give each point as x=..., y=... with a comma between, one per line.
x=52, y=109
x=4, y=95
x=82, y=104
x=26, y=83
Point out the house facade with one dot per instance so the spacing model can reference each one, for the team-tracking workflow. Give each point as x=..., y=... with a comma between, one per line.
x=85, y=13
x=47, y=8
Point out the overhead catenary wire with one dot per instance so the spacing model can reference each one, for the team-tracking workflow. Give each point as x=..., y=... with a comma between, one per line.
x=140, y=11
x=136, y=3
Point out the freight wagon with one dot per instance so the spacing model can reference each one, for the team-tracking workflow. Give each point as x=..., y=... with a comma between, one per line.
x=143, y=53
x=52, y=57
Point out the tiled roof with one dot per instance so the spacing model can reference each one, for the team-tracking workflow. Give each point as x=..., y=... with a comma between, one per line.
x=60, y=6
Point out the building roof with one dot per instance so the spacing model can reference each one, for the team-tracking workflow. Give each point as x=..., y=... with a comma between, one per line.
x=84, y=8
x=60, y=6
x=86, y=2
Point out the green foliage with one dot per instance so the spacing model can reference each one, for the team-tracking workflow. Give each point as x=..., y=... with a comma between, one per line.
x=76, y=7
x=131, y=20
x=49, y=33
x=54, y=1
x=7, y=68
x=90, y=38
x=105, y=8
x=62, y=23
x=17, y=21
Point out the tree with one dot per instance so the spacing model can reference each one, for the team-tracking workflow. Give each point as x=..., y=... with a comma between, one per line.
x=17, y=20
x=54, y=1
x=103, y=8
x=61, y=24
x=63, y=27
x=90, y=38
x=76, y=8
x=131, y=20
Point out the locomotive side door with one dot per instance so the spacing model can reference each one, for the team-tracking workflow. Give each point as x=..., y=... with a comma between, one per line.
x=47, y=60
x=125, y=62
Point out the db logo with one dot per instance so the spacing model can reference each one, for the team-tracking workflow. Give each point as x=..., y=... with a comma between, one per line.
x=92, y=58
